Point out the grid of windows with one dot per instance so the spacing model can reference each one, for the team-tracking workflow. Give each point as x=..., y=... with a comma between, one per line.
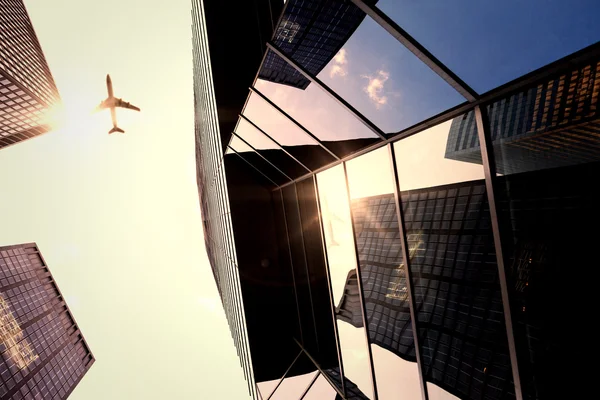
x=555, y=123
x=49, y=356
x=311, y=32
x=212, y=189
x=27, y=89
x=481, y=277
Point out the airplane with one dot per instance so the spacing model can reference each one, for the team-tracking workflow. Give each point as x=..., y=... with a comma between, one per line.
x=112, y=102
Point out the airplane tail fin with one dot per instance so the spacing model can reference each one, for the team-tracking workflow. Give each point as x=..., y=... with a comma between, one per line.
x=115, y=129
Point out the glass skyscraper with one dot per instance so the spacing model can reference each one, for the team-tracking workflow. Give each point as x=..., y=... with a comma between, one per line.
x=44, y=354
x=399, y=199
x=27, y=89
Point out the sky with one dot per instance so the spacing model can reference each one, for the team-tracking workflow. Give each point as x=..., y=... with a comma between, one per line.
x=117, y=217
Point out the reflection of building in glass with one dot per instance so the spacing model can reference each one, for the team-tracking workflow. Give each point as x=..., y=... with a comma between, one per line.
x=44, y=355
x=456, y=289
x=553, y=124
x=27, y=89
x=311, y=36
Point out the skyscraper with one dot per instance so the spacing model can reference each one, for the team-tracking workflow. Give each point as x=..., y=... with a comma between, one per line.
x=377, y=227
x=27, y=90
x=44, y=354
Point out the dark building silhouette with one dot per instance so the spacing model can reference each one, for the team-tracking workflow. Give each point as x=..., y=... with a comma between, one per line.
x=27, y=89
x=553, y=124
x=44, y=354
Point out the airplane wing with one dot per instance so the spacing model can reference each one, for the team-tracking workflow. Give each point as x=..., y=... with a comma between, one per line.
x=124, y=104
x=101, y=106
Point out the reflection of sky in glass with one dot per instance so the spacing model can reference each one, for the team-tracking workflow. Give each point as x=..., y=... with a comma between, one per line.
x=293, y=387
x=316, y=111
x=488, y=43
x=341, y=256
x=274, y=123
x=253, y=136
x=421, y=161
x=386, y=82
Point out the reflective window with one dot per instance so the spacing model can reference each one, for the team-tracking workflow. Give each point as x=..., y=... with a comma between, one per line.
x=488, y=43
x=327, y=355
x=458, y=303
x=546, y=143
x=321, y=390
x=293, y=387
x=342, y=268
x=317, y=112
x=367, y=66
x=291, y=137
x=269, y=149
x=300, y=269
x=383, y=275
x=258, y=162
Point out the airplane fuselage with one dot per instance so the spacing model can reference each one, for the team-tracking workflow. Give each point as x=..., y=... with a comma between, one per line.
x=109, y=86
x=112, y=103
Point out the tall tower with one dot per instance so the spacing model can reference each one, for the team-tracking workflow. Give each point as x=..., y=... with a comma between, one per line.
x=43, y=353
x=27, y=89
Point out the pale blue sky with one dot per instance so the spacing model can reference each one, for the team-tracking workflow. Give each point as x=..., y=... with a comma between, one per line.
x=117, y=217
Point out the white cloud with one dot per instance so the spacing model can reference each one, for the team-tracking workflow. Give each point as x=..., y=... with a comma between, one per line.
x=340, y=57
x=337, y=70
x=375, y=87
x=339, y=61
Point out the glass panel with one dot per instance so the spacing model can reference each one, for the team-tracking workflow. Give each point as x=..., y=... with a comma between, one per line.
x=292, y=388
x=257, y=162
x=342, y=268
x=365, y=65
x=546, y=142
x=318, y=112
x=293, y=139
x=299, y=265
x=269, y=149
x=383, y=275
x=453, y=262
x=321, y=390
x=490, y=43
x=327, y=356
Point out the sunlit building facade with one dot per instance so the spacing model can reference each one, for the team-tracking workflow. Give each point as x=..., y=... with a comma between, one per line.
x=28, y=94
x=394, y=210
x=43, y=353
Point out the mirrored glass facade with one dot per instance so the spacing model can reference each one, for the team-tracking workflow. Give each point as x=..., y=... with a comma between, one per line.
x=43, y=353
x=28, y=94
x=407, y=204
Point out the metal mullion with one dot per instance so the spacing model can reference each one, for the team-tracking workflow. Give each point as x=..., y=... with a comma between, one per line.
x=455, y=112
x=329, y=285
x=287, y=235
x=261, y=156
x=312, y=306
x=359, y=282
x=311, y=385
x=408, y=272
x=250, y=164
x=285, y=374
x=489, y=168
x=228, y=265
x=242, y=315
x=298, y=124
x=418, y=50
x=316, y=81
x=316, y=364
x=274, y=141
